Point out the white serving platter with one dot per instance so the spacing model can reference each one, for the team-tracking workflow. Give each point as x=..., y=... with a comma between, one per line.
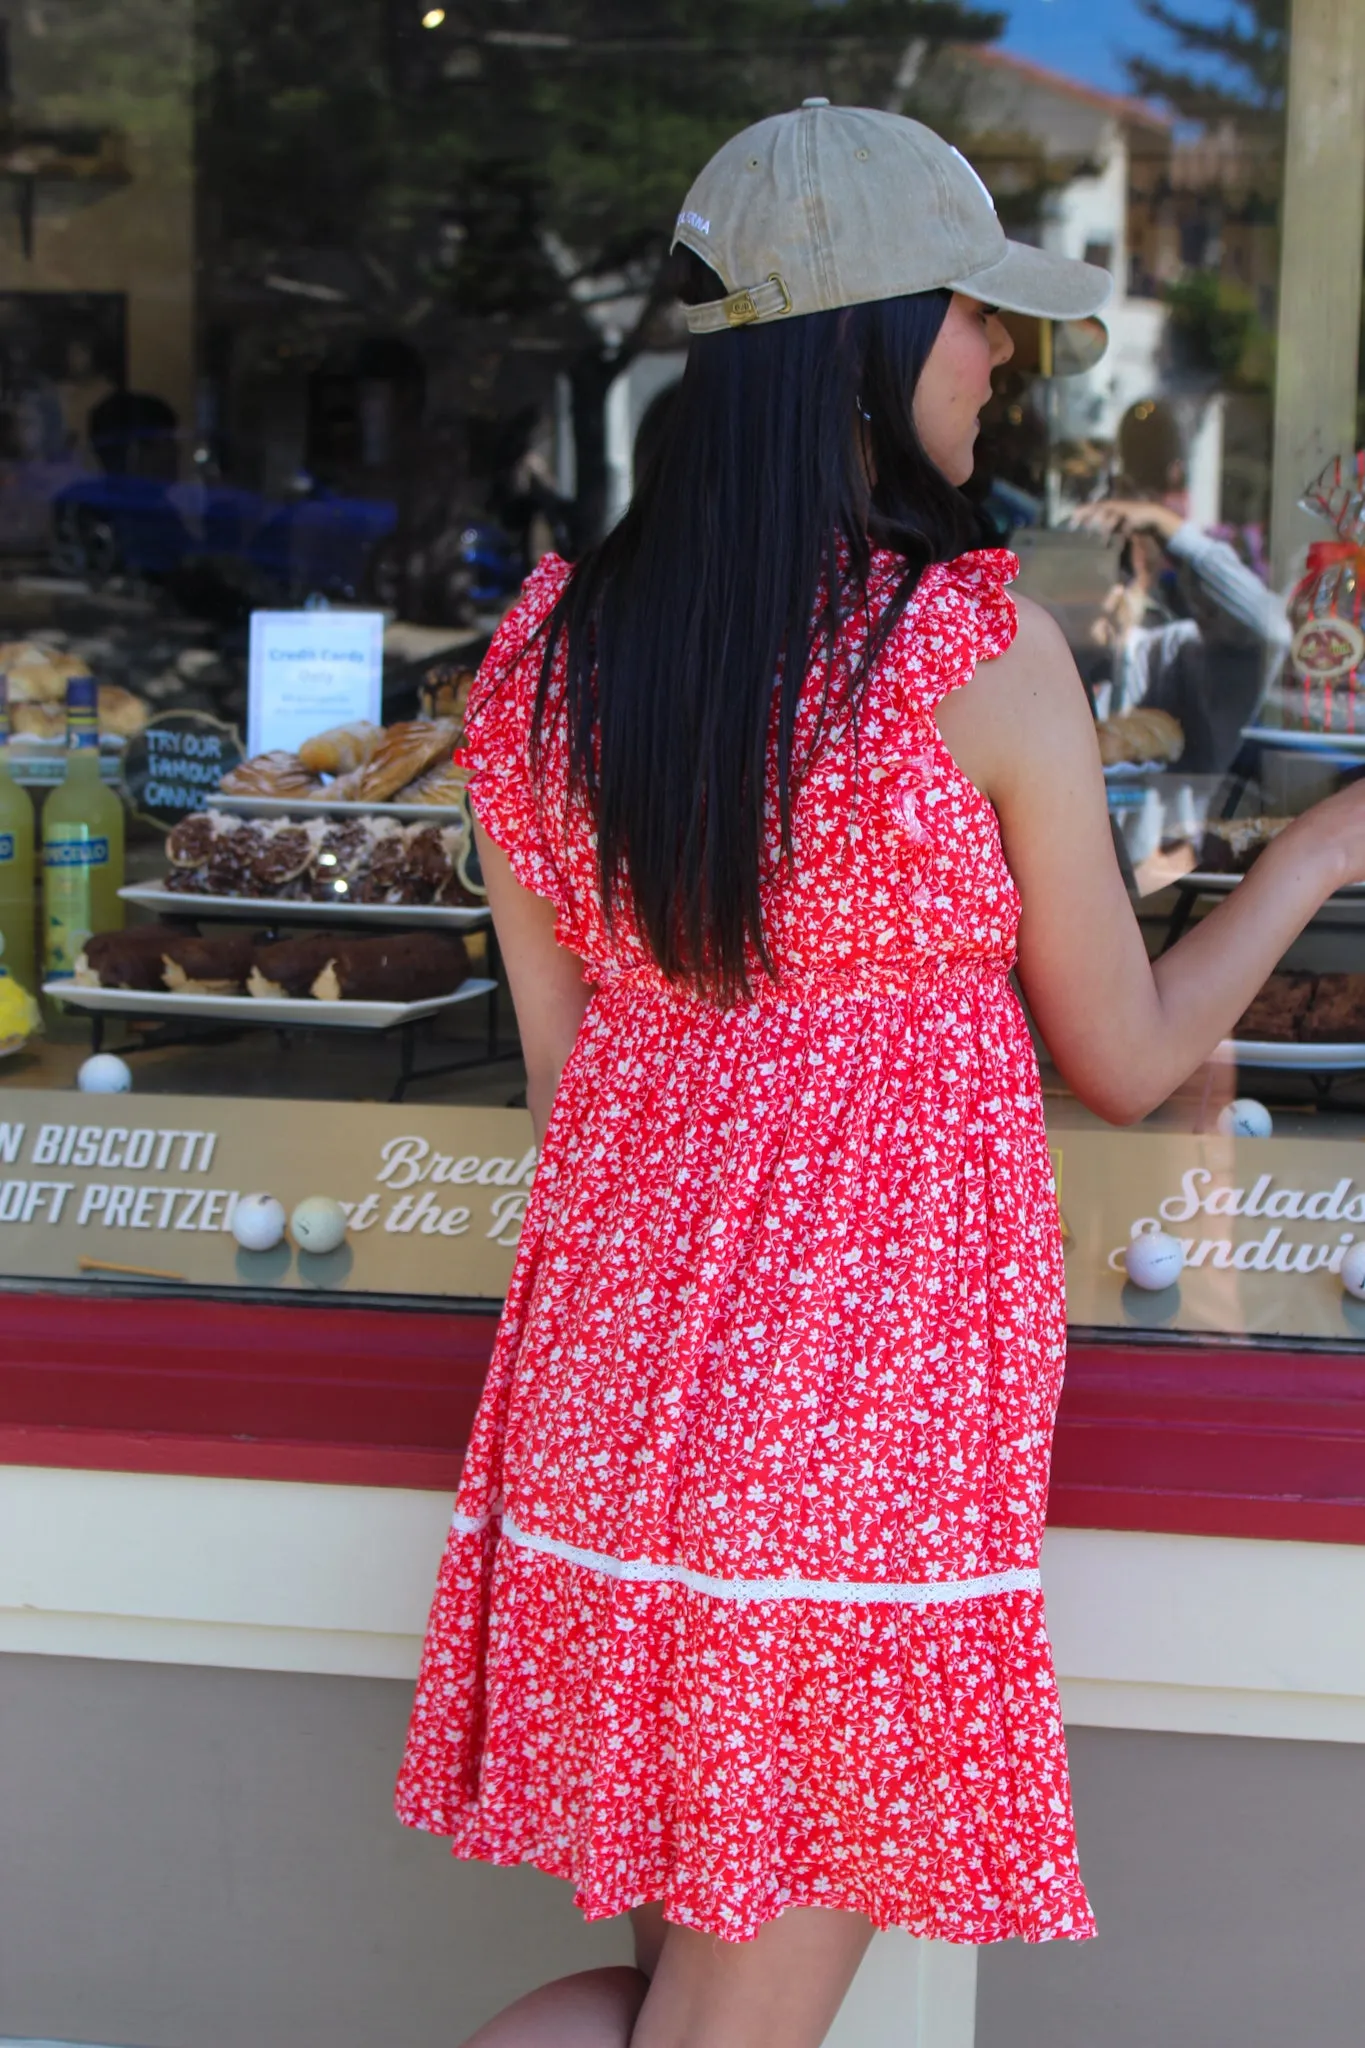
x=1306, y=742
x=269, y=909
x=303, y=1010
x=303, y=807
x=1294, y=1058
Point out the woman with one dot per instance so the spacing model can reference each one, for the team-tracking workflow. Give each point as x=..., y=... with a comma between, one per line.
x=739, y=1626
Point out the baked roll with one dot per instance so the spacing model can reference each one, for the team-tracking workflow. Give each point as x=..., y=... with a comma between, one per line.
x=342, y=750
x=405, y=752
x=274, y=774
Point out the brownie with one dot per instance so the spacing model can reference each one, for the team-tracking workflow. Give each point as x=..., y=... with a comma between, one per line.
x=394, y=968
x=1277, y=1012
x=1337, y=1011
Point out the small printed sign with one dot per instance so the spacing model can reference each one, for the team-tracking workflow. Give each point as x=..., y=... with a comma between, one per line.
x=127, y=1189
x=174, y=765
x=1265, y=1224
x=309, y=671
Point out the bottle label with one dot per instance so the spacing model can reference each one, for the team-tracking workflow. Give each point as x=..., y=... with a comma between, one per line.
x=70, y=857
x=6, y=846
x=75, y=853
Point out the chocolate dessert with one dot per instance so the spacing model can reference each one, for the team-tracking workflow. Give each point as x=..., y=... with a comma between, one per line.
x=1336, y=1013
x=1278, y=1010
x=289, y=967
x=407, y=968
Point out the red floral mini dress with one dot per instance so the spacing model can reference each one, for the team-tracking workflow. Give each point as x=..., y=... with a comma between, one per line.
x=740, y=1608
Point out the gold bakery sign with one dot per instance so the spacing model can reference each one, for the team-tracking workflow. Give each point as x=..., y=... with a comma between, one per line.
x=1265, y=1224
x=124, y=1189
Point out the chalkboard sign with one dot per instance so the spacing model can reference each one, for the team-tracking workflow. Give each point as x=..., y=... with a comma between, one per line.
x=175, y=764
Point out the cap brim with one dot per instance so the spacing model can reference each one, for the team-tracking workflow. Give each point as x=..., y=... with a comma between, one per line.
x=1028, y=280
x=1072, y=346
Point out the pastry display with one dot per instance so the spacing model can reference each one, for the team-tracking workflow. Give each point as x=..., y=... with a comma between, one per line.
x=1230, y=845
x=38, y=676
x=345, y=860
x=1307, y=1009
x=393, y=968
x=1141, y=736
x=363, y=764
x=390, y=967
x=274, y=774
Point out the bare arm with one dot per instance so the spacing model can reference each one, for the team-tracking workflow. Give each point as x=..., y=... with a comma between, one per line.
x=1123, y=1030
x=548, y=989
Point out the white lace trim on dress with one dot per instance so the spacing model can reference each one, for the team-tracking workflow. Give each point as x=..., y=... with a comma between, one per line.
x=849, y=1592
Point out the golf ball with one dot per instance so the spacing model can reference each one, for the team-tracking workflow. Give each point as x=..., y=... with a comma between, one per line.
x=1353, y=1271
x=318, y=1224
x=1245, y=1118
x=104, y=1073
x=258, y=1223
x=1154, y=1260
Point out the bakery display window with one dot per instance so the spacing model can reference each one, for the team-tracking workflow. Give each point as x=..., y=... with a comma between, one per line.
x=321, y=323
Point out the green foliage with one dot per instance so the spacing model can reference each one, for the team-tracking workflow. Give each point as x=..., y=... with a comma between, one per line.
x=1214, y=327
x=1250, y=48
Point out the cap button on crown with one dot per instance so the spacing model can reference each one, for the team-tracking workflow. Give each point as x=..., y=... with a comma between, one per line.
x=817, y=101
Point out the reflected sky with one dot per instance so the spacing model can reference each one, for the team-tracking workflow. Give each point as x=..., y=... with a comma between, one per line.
x=1088, y=39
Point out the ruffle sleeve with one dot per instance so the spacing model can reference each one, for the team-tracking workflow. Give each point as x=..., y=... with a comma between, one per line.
x=961, y=615
x=497, y=737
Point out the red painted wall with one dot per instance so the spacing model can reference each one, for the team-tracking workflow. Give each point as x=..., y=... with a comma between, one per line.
x=1207, y=1440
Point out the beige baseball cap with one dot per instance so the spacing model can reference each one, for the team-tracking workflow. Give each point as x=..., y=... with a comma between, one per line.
x=832, y=206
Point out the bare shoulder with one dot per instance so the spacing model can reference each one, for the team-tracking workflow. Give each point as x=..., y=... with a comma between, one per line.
x=1020, y=707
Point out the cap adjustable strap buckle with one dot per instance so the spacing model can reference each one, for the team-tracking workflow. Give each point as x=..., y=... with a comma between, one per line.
x=766, y=301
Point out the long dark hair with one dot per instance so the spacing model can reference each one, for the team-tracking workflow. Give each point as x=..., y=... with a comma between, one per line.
x=784, y=444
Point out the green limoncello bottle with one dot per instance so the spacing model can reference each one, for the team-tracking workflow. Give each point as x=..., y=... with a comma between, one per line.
x=16, y=864
x=82, y=842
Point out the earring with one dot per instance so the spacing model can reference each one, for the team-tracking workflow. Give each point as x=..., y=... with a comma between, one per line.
x=862, y=408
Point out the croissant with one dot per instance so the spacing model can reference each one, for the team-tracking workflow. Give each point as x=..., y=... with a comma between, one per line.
x=343, y=749
x=404, y=753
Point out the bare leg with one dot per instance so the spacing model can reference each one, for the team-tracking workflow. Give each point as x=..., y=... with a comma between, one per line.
x=595, y=2009
x=781, y=1990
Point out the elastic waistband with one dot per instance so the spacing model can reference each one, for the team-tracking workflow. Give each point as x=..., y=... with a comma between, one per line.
x=863, y=981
